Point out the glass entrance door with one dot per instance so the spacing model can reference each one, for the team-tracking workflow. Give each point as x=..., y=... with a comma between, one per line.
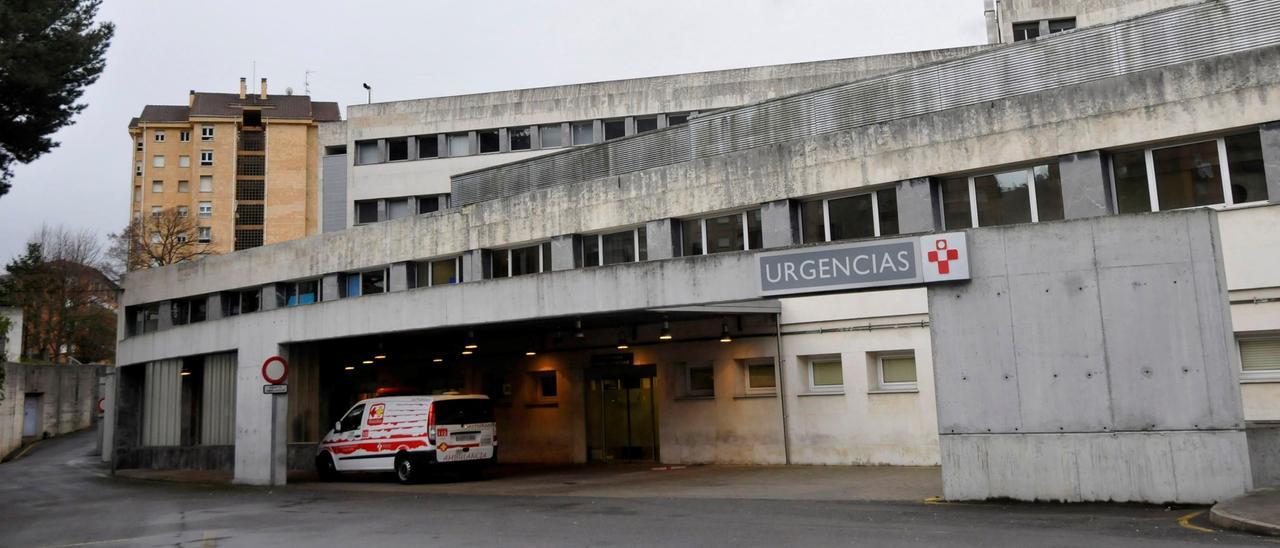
x=621, y=414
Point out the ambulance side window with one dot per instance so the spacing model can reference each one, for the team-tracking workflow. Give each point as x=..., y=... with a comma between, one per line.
x=352, y=420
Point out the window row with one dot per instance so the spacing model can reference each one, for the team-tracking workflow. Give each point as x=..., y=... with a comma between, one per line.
x=720, y=233
x=1027, y=195
x=206, y=134
x=373, y=211
x=1034, y=29
x=512, y=139
x=1227, y=170
x=867, y=215
x=888, y=371
x=206, y=185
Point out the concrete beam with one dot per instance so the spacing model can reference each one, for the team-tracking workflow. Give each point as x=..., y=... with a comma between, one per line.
x=329, y=288
x=779, y=224
x=1085, y=192
x=473, y=265
x=917, y=208
x=660, y=239
x=564, y=252
x=1271, y=159
x=267, y=298
x=213, y=307
x=166, y=316
x=398, y=280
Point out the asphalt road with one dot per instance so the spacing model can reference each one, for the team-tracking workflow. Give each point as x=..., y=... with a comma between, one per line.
x=58, y=495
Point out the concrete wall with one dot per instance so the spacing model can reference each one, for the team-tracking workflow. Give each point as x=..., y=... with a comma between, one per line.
x=1103, y=368
x=1264, y=453
x=1088, y=13
x=68, y=394
x=12, y=340
x=1254, y=293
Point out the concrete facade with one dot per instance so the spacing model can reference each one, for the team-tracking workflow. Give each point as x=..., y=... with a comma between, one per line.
x=1002, y=15
x=67, y=395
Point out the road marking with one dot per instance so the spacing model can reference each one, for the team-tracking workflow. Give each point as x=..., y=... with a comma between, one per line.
x=23, y=453
x=1185, y=523
x=208, y=540
x=93, y=542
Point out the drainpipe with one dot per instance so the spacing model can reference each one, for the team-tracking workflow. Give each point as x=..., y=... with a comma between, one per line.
x=780, y=381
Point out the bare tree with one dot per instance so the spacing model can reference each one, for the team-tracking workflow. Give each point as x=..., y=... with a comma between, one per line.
x=166, y=238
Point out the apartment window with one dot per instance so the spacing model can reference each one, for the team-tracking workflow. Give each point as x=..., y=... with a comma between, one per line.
x=184, y=186
x=137, y=193
x=626, y=246
x=459, y=144
x=181, y=237
x=206, y=183
x=299, y=293
x=699, y=380
x=520, y=138
x=206, y=157
x=1059, y=25
x=1190, y=175
x=184, y=161
x=893, y=371
x=1026, y=31
x=826, y=373
x=370, y=282
x=367, y=212
x=1026, y=195
x=397, y=149
x=184, y=211
x=156, y=211
x=1259, y=357
x=398, y=208
x=205, y=210
x=860, y=216
x=732, y=232
x=583, y=133
x=204, y=234
x=677, y=119
x=545, y=388
x=155, y=237
x=206, y=133
x=235, y=303
x=614, y=129
x=157, y=186
x=438, y=272
x=157, y=160
x=428, y=146
x=159, y=135
x=138, y=145
x=428, y=204
x=520, y=261
x=367, y=152
x=184, y=136
x=646, y=123
x=550, y=137
x=489, y=141
x=137, y=168
x=758, y=376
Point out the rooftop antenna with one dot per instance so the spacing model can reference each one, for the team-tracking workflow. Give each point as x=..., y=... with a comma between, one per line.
x=368, y=89
x=306, y=82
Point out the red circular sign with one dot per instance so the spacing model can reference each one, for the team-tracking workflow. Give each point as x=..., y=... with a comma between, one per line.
x=101, y=408
x=272, y=377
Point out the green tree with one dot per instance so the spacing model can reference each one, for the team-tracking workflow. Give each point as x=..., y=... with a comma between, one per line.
x=50, y=51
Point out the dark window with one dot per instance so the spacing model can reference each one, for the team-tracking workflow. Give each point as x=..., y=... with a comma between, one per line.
x=428, y=146
x=427, y=204
x=614, y=129
x=1048, y=192
x=754, y=230
x=462, y=411
x=811, y=227
x=691, y=238
x=1244, y=163
x=724, y=233
x=619, y=247
x=499, y=267
x=352, y=420
x=1129, y=171
x=546, y=257
x=444, y=272
x=179, y=312
x=887, y=206
x=677, y=119
x=649, y=123
x=547, y=388
x=1025, y=31
x=488, y=141
x=251, y=190
x=199, y=309
x=367, y=212
x=525, y=260
x=591, y=250
x=519, y=138
x=1061, y=25
x=851, y=217
x=1002, y=198
x=398, y=149
x=367, y=153
x=373, y=282
x=1188, y=175
x=248, y=238
x=643, y=240
x=955, y=203
x=249, y=214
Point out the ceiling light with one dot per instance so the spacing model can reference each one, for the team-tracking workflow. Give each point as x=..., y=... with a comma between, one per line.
x=380, y=357
x=437, y=360
x=665, y=334
x=471, y=341
x=577, y=330
x=724, y=333
x=367, y=362
x=531, y=353
x=350, y=368
x=466, y=352
x=185, y=372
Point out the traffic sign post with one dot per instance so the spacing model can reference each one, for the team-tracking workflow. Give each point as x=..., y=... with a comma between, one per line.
x=275, y=371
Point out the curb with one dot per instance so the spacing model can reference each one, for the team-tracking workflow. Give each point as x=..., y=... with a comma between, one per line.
x=1228, y=520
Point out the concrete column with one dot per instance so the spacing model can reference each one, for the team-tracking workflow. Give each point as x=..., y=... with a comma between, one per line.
x=261, y=437
x=917, y=209
x=662, y=121
x=399, y=277
x=597, y=131
x=629, y=125
x=660, y=237
x=1085, y=192
x=473, y=265
x=382, y=211
x=473, y=140
x=442, y=146
x=213, y=307
x=268, y=300
x=564, y=252
x=566, y=135
x=329, y=289
x=778, y=224
x=535, y=137
x=504, y=141
x=1271, y=159
x=166, y=316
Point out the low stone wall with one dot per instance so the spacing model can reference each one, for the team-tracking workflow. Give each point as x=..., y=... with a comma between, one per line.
x=198, y=457
x=66, y=396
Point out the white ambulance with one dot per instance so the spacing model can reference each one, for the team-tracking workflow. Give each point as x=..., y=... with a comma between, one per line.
x=408, y=434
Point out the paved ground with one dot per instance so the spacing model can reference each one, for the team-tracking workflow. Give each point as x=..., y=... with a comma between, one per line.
x=1258, y=512
x=58, y=496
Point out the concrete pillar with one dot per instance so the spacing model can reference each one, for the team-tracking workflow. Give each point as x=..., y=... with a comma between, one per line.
x=166, y=316
x=1085, y=192
x=504, y=140
x=1271, y=159
x=261, y=435
x=399, y=277
x=917, y=209
x=564, y=252
x=329, y=290
x=662, y=121
x=473, y=265
x=597, y=131
x=268, y=299
x=778, y=224
x=629, y=126
x=661, y=239
x=382, y=211
x=213, y=307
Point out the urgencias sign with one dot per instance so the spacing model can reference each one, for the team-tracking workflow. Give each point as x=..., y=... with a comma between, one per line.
x=899, y=261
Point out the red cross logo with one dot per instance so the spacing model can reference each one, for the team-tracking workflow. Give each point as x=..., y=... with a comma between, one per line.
x=942, y=256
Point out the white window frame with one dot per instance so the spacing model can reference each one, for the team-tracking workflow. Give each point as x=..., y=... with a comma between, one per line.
x=156, y=211
x=157, y=187
x=206, y=132
x=686, y=377
x=138, y=146
x=1224, y=167
x=1258, y=375
x=155, y=238
x=881, y=385
x=746, y=233
x=746, y=376
x=184, y=136
x=809, y=362
x=431, y=275
x=826, y=213
x=204, y=234
x=184, y=212
x=206, y=157
x=181, y=237
x=541, y=259
x=159, y=135
x=635, y=244
x=137, y=168
x=204, y=210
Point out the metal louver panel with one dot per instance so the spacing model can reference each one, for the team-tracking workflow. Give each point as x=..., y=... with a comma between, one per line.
x=1170, y=37
x=161, y=404
x=218, y=400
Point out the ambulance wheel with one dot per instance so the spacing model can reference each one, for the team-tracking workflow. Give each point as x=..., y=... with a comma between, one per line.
x=325, y=468
x=408, y=468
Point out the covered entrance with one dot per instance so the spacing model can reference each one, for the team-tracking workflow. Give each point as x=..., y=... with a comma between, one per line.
x=622, y=422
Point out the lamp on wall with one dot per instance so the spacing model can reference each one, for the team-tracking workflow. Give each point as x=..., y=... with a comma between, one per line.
x=724, y=333
x=577, y=330
x=471, y=341
x=622, y=340
x=665, y=334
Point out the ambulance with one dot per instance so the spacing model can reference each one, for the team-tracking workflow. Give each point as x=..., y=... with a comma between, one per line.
x=409, y=435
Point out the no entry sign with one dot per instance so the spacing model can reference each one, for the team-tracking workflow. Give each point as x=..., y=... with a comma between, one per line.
x=275, y=370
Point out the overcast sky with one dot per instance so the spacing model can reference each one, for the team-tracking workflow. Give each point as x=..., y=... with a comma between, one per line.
x=162, y=48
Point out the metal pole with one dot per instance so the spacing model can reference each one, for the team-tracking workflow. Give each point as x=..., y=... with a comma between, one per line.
x=780, y=380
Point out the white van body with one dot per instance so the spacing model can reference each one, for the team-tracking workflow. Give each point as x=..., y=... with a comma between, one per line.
x=381, y=434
